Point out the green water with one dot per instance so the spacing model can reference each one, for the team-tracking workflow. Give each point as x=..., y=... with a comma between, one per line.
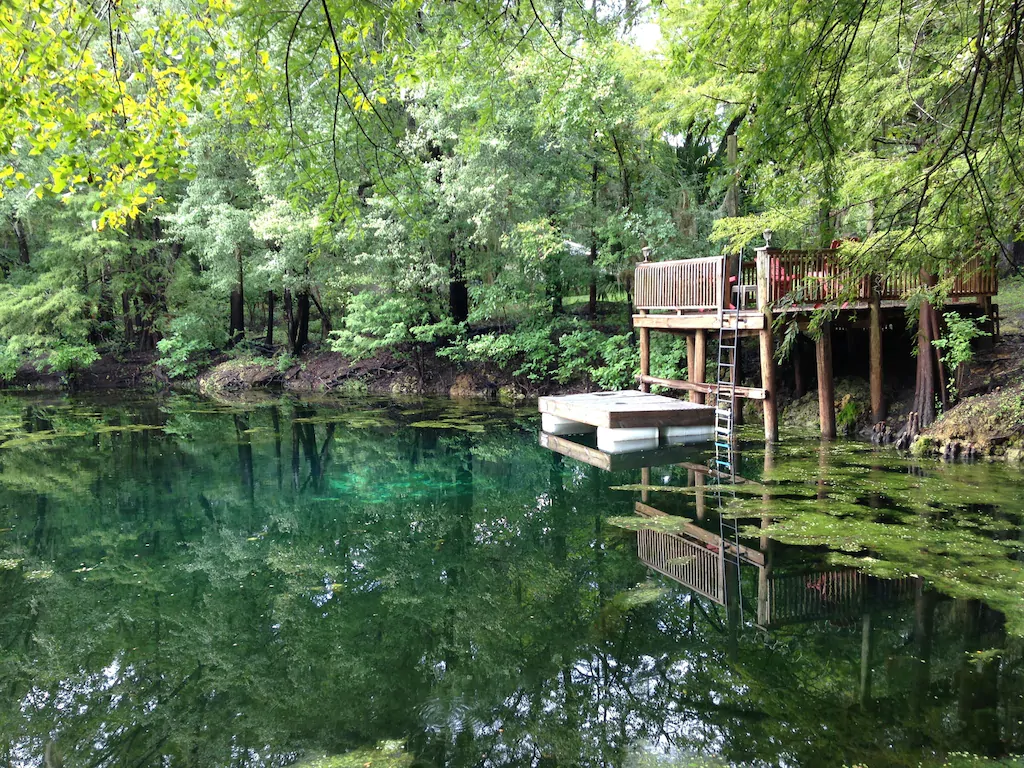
x=371, y=584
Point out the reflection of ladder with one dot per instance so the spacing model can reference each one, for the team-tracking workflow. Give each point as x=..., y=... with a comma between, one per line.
x=725, y=400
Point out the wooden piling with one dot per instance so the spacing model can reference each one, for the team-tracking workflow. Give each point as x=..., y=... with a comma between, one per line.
x=691, y=355
x=767, y=347
x=698, y=372
x=826, y=385
x=645, y=357
x=875, y=361
x=771, y=415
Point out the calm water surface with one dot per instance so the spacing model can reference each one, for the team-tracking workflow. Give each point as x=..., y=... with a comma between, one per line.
x=373, y=584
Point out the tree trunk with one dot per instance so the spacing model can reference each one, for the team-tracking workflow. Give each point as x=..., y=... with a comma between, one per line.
x=592, y=261
x=325, y=319
x=924, y=390
x=298, y=321
x=270, y=319
x=927, y=359
x=126, y=314
x=458, y=291
x=236, y=332
x=21, y=236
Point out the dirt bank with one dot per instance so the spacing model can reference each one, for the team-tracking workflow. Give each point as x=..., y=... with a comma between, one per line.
x=989, y=420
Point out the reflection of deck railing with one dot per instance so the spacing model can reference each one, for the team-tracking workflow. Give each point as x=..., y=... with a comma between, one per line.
x=690, y=284
x=690, y=563
x=800, y=278
x=834, y=594
x=697, y=562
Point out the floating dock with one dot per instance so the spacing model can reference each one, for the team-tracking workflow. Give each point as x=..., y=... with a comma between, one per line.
x=628, y=420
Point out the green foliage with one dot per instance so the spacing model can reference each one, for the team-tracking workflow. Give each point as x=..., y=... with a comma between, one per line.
x=187, y=347
x=66, y=359
x=957, y=343
x=561, y=350
x=848, y=415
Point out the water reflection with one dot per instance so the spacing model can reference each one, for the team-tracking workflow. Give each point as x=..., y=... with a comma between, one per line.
x=928, y=655
x=186, y=583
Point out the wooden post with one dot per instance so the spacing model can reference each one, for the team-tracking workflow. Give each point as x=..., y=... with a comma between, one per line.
x=826, y=386
x=875, y=343
x=645, y=357
x=700, y=359
x=691, y=359
x=767, y=345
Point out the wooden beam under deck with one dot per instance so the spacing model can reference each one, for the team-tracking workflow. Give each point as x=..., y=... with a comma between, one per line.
x=750, y=321
x=705, y=388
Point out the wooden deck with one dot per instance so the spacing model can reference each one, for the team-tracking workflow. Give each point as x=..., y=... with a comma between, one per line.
x=694, y=293
x=693, y=297
x=627, y=409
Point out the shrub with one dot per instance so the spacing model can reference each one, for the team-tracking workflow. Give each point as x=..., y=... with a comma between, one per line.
x=188, y=344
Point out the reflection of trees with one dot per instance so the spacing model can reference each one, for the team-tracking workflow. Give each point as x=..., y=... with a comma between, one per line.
x=452, y=588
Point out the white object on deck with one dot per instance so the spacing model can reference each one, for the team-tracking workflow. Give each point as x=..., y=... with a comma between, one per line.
x=626, y=439
x=556, y=425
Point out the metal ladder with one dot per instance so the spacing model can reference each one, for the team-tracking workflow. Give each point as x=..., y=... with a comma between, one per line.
x=725, y=399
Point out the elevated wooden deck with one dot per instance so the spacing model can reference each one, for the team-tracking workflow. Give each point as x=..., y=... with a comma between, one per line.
x=694, y=294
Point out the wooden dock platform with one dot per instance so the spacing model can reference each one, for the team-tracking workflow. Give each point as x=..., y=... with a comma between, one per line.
x=628, y=420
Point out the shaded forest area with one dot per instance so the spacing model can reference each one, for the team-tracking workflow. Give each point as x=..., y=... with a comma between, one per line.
x=189, y=179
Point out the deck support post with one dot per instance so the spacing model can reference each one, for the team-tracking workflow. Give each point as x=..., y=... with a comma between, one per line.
x=767, y=347
x=875, y=342
x=645, y=357
x=771, y=415
x=826, y=385
x=696, y=362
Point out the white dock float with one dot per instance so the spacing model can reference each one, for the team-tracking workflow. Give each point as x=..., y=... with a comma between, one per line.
x=627, y=420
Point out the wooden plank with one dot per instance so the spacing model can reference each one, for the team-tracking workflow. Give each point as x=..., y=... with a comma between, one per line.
x=586, y=454
x=705, y=388
x=752, y=321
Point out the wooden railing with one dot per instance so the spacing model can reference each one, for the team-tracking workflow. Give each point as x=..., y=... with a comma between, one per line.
x=831, y=594
x=799, y=278
x=689, y=562
x=976, y=277
x=690, y=284
x=812, y=277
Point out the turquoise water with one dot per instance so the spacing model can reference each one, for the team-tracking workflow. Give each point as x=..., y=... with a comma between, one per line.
x=368, y=583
